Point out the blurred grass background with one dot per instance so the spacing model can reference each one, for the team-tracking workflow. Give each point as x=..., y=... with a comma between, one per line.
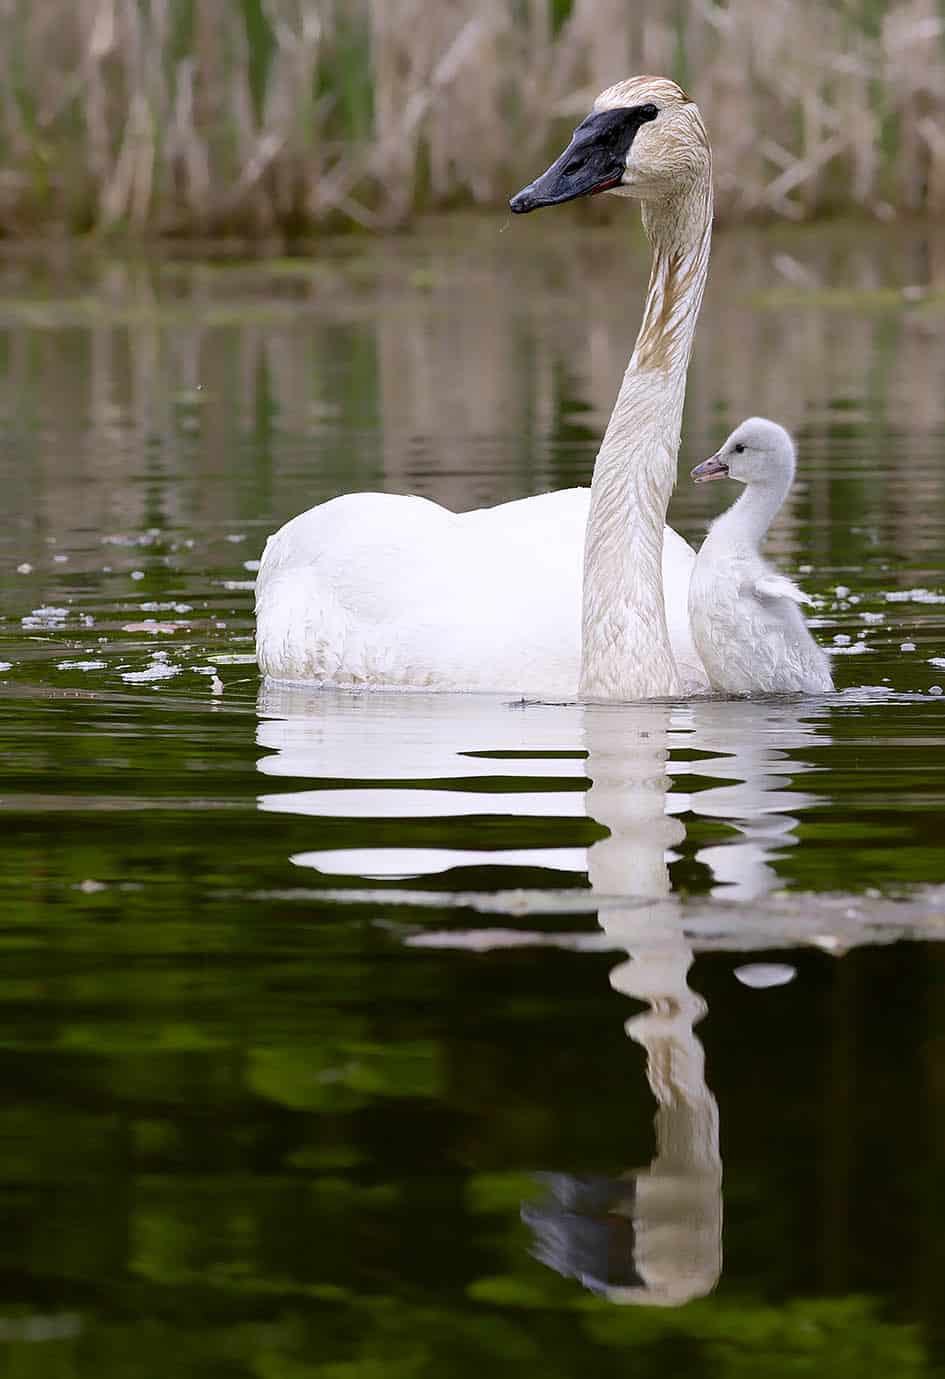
x=269, y=118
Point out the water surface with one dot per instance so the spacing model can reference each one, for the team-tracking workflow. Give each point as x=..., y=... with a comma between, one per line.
x=351, y=1035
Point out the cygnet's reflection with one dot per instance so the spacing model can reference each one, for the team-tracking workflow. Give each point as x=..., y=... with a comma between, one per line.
x=755, y=746
x=653, y=1235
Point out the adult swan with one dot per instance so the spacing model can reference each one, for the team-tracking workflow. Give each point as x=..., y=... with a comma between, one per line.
x=375, y=589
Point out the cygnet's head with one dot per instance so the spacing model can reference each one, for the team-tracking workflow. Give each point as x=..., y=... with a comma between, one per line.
x=643, y=138
x=757, y=451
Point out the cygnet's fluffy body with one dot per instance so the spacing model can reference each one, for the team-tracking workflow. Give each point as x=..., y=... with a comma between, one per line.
x=746, y=618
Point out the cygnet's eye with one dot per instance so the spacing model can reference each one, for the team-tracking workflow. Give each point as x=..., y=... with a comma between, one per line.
x=739, y=449
x=649, y=111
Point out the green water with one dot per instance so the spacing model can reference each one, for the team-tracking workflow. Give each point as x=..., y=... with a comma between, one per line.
x=351, y=1035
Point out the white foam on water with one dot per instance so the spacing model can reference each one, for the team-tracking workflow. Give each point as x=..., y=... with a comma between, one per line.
x=146, y=538
x=764, y=974
x=160, y=670
x=914, y=596
x=45, y=617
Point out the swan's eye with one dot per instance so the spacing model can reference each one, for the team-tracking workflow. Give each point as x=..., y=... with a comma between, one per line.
x=739, y=449
x=649, y=112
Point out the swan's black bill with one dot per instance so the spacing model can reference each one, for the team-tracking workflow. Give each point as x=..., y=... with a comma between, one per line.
x=585, y=1230
x=712, y=468
x=594, y=161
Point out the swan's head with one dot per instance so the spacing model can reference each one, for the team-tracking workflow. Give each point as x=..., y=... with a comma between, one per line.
x=643, y=138
x=758, y=451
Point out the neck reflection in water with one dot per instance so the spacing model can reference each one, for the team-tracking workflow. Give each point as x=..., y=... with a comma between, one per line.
x=655, y=1235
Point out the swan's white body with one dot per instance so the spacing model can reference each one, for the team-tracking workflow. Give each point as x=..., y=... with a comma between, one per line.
x=746, y=618
x=378, y=589
x=553, y=595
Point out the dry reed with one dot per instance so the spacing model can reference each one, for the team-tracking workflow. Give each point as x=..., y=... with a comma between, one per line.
x=270, y=117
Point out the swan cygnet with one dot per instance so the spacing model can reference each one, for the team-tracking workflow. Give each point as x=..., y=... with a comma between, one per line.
x=746, y=618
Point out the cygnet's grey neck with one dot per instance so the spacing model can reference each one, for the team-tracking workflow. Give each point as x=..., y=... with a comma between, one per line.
x=745, y=524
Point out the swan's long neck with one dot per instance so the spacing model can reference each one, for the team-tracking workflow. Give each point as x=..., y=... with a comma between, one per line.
x=745, y=524
x=626, y=651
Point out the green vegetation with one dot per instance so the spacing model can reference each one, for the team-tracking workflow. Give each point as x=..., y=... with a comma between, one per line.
x=267, y=118
x=377, y=1337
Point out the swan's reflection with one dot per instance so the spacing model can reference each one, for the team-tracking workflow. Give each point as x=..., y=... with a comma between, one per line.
x=395, y=746
x=649, y=1236
x=384, y=751
x=654, y=1236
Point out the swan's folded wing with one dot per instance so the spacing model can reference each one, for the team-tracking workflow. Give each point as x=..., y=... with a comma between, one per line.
x=774, y=586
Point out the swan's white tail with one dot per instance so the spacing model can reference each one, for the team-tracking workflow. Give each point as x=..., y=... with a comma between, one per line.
x=300, y=626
